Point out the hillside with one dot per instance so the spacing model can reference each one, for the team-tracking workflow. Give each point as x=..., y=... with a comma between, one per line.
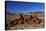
x=24, y=21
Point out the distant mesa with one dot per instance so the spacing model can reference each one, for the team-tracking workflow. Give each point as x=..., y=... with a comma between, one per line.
x=36, y=12
x=9, y=13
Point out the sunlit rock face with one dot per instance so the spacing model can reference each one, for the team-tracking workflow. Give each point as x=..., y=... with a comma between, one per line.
x=24, y=21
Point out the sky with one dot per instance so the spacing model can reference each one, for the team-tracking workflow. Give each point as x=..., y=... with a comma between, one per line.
x=24, y=7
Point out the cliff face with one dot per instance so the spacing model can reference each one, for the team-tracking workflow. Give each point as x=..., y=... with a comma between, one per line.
x=23, y=20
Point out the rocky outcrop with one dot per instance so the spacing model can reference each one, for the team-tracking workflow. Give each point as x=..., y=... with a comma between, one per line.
x=22, y=19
